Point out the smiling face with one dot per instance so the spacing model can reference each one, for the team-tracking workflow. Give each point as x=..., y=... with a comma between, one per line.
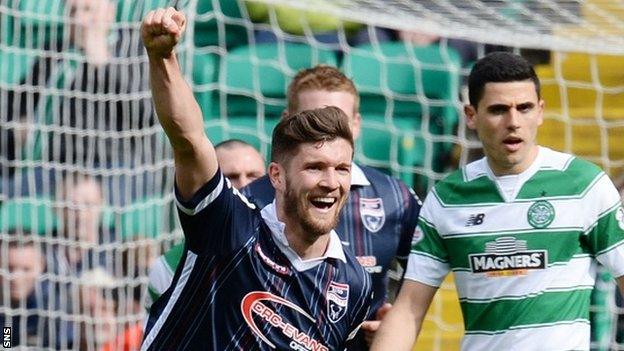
x=313, y=186
x=506, y=120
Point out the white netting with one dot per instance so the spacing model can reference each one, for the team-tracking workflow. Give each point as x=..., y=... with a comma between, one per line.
x=86, y=173
x=243, y=55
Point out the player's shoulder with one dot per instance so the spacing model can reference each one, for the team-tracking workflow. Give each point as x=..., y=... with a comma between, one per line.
x=260, y=191
x=572, y=166
x=377, y=178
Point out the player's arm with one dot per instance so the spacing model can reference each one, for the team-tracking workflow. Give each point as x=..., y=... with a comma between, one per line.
x=401, y=325
x=408, y=226
x=620, y=283
x=178, y=112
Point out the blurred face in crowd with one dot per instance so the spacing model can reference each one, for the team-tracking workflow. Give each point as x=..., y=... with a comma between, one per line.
x=101, y=325
x=83, y=210
x=89, y=15
x=506, y=120
x=242, y=164
x=312, y=99
x=25, y=266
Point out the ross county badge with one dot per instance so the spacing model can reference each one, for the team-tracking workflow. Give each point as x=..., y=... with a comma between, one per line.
x=337, y=296
x=372, y=213
x=541, y=214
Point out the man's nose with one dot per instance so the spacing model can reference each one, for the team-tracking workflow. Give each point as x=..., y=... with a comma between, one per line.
x=330, y=179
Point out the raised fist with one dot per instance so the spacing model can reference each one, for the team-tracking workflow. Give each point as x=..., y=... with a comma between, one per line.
x=161, y=30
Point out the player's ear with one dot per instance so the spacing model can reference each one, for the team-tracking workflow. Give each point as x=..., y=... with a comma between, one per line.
x=277, y=176
x=470, y=113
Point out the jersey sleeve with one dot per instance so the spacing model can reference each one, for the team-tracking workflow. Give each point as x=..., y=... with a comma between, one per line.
x=217, y=219
x=428, y=261
x=408, y=224
x=605, y=225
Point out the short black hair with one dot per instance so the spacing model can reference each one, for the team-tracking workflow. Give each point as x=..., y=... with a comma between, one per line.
x=499, y=67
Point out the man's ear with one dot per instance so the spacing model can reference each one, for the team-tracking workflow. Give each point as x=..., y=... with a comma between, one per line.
x=471, y=114
x=277, y=176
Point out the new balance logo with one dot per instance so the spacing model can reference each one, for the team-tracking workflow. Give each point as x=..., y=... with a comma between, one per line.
x=475, y=219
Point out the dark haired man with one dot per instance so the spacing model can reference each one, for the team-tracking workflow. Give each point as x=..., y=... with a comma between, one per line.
x=521, y=229
x=271, y=279
x=379, y=218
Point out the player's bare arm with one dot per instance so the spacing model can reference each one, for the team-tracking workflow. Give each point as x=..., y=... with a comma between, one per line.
x=620, y=284
x=178, y=112
x=401, y=325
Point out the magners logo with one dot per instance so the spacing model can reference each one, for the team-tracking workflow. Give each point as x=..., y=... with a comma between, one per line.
x=507, y=256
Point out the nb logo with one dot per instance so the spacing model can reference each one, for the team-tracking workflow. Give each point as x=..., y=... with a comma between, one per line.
x=475, y=219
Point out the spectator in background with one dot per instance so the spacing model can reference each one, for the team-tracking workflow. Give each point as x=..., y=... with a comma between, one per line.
x=241, y=164
x=102, y=301
x=80, y=227
x=29, y=294
x=105, y=90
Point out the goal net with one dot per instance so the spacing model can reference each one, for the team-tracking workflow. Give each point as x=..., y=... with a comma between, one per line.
x=71, y=115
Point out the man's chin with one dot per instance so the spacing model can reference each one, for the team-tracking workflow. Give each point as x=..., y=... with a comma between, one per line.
x=318, y=228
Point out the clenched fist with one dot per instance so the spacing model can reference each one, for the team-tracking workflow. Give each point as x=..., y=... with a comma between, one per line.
x=161, y=30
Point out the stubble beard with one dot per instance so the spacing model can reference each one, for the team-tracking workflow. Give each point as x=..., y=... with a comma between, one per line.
x=312, y=228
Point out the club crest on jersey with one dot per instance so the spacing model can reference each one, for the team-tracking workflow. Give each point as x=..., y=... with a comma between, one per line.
x=373, y=214
x=418, y=236
x=337, y=297
x=619, y=216
x=507, y=256
x=541, y=214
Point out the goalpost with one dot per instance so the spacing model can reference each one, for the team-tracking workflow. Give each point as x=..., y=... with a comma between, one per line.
x=68, y=120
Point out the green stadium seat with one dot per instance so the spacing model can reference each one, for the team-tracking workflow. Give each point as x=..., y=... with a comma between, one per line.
x=407, y=84
x=220, y=25
x=205, y=67
x=28, y=214
x=379, y=143
x=248, y=129
x=256, y=77
x=144, y=219
x=135, y=11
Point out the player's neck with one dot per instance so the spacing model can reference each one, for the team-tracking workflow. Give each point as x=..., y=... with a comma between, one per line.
x=306, y=247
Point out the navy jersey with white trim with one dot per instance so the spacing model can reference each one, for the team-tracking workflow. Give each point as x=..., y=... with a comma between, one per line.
x=236, y=290
x=377, y=221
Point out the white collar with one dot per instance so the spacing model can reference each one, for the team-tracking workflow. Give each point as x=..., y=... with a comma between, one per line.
x=508, y=186
x=334, y=248
x=357, y=176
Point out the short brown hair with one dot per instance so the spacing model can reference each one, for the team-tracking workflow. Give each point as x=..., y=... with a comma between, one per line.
x=321, y=77
x=310, y=126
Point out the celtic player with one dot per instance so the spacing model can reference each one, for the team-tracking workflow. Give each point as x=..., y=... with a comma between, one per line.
x=521, y=229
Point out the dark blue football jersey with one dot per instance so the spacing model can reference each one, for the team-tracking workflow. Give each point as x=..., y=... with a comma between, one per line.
x=238, y=289
x=376, y=223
